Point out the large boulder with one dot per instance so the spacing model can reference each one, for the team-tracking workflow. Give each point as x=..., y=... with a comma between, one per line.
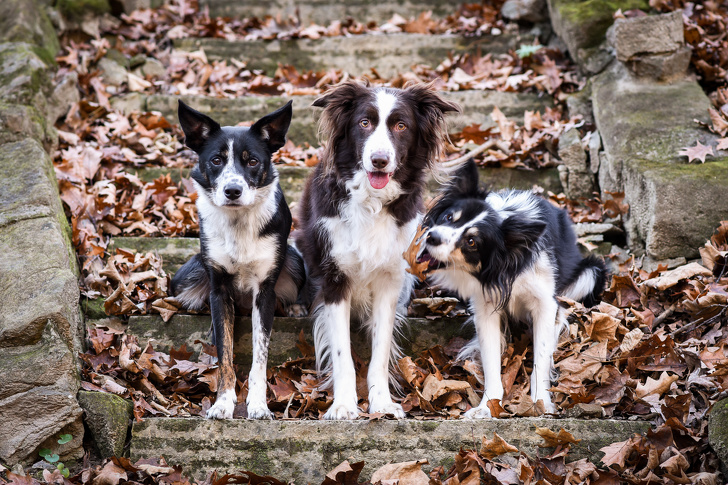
x=674, y=205
x=108, y=417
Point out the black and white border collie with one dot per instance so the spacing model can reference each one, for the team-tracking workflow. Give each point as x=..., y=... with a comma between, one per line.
x=510, y=253
x=359, y=212
x=244, y=261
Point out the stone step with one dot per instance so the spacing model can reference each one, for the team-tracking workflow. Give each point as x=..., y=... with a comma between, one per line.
x=674, y=205
x=390, y=54
x=304, y=451
x=325, y=11
x=477, y=107
x=418, y=335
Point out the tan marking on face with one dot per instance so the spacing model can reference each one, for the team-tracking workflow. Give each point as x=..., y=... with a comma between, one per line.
x=245, y=155
x=226, y=380
x=457, y=215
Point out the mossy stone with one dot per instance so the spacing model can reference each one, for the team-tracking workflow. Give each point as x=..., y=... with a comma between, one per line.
x=108, y=417
x=26, y=21
x=23, y=75
x=77, y=9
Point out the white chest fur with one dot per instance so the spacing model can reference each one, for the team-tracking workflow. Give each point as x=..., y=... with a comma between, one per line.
x=232, y=237
x=365, y=240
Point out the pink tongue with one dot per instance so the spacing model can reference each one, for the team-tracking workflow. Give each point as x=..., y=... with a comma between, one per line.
x=378, y=180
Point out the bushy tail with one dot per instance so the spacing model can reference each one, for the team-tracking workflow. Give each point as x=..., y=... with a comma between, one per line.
x=191, y=284
x=588, y=282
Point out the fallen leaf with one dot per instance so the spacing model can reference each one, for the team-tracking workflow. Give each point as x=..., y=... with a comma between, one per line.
x=495, y=447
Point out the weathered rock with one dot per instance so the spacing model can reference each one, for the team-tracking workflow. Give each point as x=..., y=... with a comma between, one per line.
x=65, y=94
x=108, y=417
x=579, y=104
x=651, y=34
x=718, y=431
x=577, y=179
x=26, y=21
x=77, y=10
x=29, y=187
x=303, y=451
x=31, y=417
x=674, y=206
x=419, y=335
x=662, y=67
x=525, y=10
x=23, y=75
x=582, y=24
x=19, y=122
x=45, y=364
x=44, y=289
x=390, y=54
x=112, y=72
x=153, y=68
x=73, y=450
x=323, y=12
x=477, y=107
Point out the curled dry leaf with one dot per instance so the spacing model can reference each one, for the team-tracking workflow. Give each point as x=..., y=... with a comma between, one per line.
x=410, y=255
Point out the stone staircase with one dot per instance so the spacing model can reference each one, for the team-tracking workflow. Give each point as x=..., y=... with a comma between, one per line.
x=305, y=450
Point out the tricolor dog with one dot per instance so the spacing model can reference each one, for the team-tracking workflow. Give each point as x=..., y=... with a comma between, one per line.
x=510, y=254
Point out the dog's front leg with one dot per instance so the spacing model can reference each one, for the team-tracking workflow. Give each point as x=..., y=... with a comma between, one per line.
x=264, y=304
x=223, y=319
x=385, y=295
x=545, y=339
x=333, y=319
x=488, y=330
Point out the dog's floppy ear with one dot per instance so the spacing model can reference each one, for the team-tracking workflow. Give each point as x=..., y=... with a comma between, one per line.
x=430, y=102
x=520, y=235
x=342, y=95
x=465, y=182
x=198, y=127
x=274, y=126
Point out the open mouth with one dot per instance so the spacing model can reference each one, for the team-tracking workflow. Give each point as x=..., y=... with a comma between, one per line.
x=432, y=263
x=378, y=180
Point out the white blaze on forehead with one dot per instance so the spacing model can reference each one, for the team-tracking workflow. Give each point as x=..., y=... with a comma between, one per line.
x=231, y=176
x=449, y=236
x=379, y=140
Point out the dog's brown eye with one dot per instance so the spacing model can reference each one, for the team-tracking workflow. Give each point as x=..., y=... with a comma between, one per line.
x=364, y=123
x=216, y=161
x=448, y=218
x=253, y=162
x=471, y=242
x=400, y=126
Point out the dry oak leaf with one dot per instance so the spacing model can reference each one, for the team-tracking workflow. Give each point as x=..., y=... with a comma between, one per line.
x=617, y=453
x=406, y=473
x=410, y=255
x=497, y=446
x=655, y=386
x=671, y=278
x=434, y=388
x=552, y=439
x=111, y=474
x=698, y=152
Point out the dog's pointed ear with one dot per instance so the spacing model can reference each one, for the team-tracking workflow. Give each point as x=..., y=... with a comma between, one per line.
x=274, y=126
x=465, y=182
x=198, y=127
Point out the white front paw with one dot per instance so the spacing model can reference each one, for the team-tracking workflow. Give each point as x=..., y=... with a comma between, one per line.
x=222, y=409
x=258, y=410
x=481, y=412
x=387, y=408
x=342, y=411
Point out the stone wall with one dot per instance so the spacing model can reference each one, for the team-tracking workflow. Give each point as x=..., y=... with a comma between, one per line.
x=41, y=328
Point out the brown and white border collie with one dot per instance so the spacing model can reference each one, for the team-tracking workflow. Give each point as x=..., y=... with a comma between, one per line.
x=358, y=214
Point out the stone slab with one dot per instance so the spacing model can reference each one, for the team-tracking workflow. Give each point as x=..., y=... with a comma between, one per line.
x=390, y=54
x=19, y=122
x=583, y=24
x=29, y=188
x=38, y=286
x=27, y=21
x=652, y=34
x=418, y=335
x=718, y=432
x=108, y=417
x=24, y=75
x=325, y=11
x=477, y=107
x=674, y=206
x=304, y=451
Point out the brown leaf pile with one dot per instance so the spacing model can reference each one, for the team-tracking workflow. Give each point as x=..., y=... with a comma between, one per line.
x=147, y=33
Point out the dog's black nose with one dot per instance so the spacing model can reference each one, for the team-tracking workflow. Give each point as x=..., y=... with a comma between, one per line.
x=433, y=239
x=380, y=160
x=233, y=192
